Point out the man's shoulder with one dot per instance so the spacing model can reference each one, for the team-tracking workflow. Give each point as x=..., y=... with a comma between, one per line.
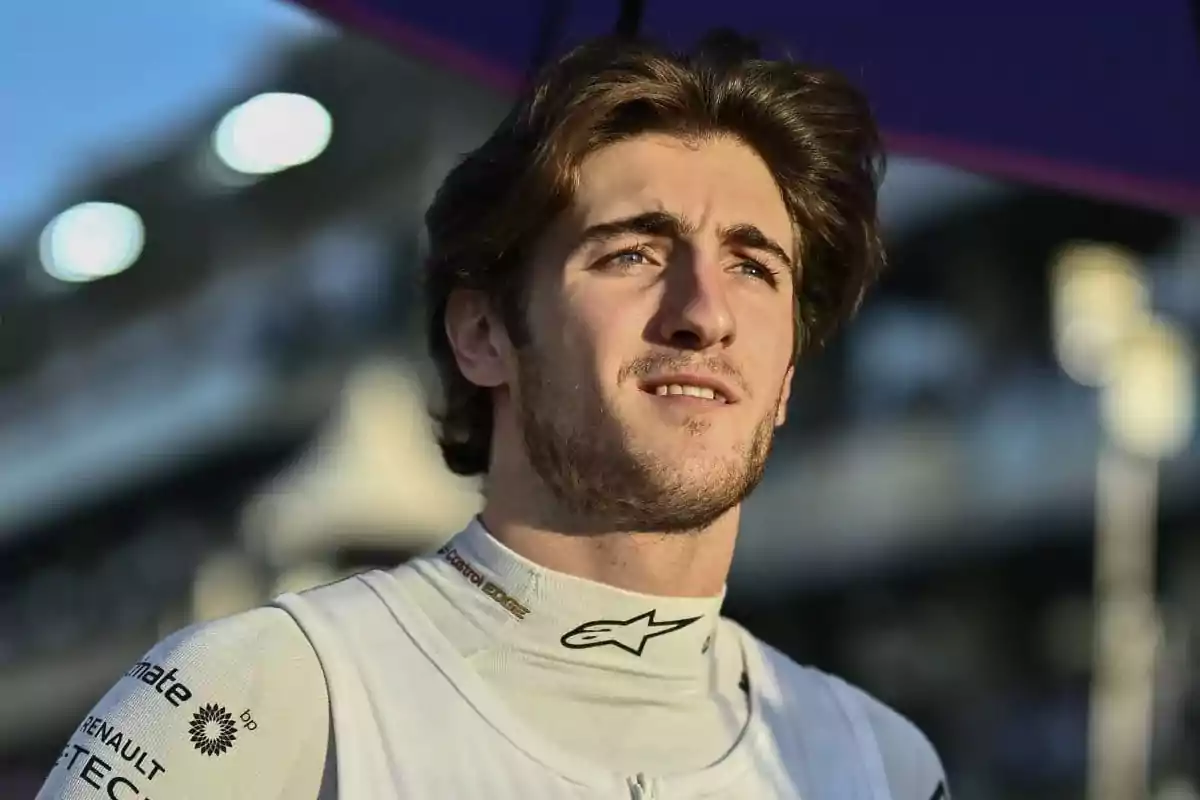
x=203, y=713
x=265, y=632
x=253, y=653
x=910, y=761
x=248, y=654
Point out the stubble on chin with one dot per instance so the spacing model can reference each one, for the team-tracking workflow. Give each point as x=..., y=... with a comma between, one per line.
x=597, y=478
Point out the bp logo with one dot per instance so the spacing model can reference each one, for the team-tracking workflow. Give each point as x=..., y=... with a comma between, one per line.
x=212, y=730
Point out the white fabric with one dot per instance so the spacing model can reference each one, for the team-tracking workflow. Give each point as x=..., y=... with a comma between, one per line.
x=367, y=636
x=256, y=665
x=428, y=673
x=508, y=616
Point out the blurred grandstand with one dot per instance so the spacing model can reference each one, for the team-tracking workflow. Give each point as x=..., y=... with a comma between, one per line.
x=241, y=411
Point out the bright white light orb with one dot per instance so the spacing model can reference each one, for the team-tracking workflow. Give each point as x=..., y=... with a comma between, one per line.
x=91, y=241
x=272, y=132
x=1149, y=405
x=1099, y=294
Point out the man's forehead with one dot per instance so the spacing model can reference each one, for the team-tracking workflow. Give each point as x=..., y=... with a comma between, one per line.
x=717, y=185
x=617, y=192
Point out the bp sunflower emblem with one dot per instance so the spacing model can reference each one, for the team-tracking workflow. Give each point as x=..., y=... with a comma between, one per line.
x=212, y=730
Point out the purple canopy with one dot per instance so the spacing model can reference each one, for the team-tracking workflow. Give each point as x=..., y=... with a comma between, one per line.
x=1099, y=97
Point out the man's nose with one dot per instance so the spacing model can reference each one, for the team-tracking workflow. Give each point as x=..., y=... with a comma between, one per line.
x=695, y=313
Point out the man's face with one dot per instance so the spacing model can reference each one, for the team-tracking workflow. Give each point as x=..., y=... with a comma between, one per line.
x=661, y=332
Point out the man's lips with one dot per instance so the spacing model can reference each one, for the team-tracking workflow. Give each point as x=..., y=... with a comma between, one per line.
x=694, y=385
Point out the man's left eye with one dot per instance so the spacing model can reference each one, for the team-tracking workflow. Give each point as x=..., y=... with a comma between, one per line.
x=629, y=257
x=757, y=270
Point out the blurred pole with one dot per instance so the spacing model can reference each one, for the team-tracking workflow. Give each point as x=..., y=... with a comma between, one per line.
x=1106, y=337
x=1126, y=634
x=1147, y=405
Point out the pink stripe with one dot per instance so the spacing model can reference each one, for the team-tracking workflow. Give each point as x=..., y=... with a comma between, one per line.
x=1179, y=198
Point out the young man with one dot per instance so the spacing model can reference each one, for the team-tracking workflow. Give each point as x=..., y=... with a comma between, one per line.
x=620, y=282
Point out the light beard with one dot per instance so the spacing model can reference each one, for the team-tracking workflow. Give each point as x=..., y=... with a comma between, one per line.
x=601, y=482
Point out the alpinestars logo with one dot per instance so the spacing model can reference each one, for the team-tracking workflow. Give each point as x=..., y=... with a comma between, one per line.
x=630, y=635
x=212, y=730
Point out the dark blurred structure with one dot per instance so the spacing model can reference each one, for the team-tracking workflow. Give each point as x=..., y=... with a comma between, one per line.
x=926, y=528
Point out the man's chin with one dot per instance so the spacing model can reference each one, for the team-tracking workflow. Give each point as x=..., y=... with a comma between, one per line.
x=695, y=479
x=688, y=452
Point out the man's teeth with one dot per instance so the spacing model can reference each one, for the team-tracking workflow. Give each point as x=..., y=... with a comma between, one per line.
x=692, y=391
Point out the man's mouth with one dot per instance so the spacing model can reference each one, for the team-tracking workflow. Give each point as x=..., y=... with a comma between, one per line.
x=685, y=390
x=699, y=387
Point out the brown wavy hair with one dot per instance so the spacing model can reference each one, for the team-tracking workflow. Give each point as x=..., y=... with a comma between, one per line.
x=812, y=128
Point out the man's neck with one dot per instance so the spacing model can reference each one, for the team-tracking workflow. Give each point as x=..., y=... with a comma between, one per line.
x=692, y=564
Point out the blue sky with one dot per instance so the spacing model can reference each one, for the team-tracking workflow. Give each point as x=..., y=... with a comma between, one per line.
x=82, y=80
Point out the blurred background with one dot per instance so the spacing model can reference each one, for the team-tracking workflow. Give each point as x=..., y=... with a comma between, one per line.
x=213, y=388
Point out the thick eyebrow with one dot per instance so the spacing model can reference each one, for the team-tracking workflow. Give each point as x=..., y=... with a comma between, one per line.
x=751, y=238
x=666, y=225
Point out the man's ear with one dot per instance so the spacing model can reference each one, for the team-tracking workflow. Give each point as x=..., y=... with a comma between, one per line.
x=785, y=394
x=480, y=343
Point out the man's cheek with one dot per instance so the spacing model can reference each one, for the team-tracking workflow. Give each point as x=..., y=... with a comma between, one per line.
x=585, y=346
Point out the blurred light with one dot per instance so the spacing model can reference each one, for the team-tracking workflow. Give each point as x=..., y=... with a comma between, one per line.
x=91, y=241
x=1149, y=404
x=1099, y=296
x=210, y=172
x=272, y=132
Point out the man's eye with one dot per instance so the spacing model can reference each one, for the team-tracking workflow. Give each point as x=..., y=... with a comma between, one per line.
x=631, y=257
x=756, y=270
